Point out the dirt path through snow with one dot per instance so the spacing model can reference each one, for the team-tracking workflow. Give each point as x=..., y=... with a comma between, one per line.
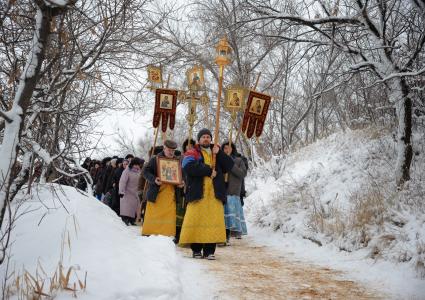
x=249, y=271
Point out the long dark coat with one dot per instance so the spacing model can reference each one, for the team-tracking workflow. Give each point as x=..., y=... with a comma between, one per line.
x=116, y=182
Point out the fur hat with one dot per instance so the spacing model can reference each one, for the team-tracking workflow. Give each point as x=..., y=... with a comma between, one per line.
x=186, y=143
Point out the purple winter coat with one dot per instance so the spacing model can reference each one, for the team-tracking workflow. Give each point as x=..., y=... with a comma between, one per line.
x=129, y=183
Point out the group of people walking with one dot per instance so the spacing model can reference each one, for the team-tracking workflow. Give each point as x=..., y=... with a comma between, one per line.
x=116, y=182
x=203, y=210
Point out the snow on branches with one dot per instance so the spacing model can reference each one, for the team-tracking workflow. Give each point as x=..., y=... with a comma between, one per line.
x=377, y=35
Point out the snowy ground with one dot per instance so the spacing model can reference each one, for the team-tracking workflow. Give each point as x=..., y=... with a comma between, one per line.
x=120, y=264
x=395, y=281
x=249, y=270
x=333, y=203
x=62, y=225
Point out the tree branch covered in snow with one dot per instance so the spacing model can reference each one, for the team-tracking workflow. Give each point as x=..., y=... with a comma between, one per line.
x=385, y=39
x=21, y=102
x=62, y=62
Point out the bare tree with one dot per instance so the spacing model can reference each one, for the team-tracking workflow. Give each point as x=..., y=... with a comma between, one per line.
x=15, y=117
x=385, y=38
x=62, y=62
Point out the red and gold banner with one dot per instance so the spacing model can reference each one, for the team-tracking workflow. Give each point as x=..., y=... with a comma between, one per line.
x=165, y=108
x=255, y=113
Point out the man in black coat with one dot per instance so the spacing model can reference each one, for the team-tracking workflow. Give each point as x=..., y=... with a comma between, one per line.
x=160, y=216
x=203, y=224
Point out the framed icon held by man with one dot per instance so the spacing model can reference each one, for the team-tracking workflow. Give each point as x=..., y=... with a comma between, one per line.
x=169, y=170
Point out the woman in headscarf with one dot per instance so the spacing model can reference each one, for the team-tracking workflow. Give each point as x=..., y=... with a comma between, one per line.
x=233, y=211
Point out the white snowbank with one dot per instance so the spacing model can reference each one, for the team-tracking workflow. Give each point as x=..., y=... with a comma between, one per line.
x=339, y=193
x=120, y=264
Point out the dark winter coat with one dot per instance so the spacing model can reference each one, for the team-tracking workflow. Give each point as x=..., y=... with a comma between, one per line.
x=115, y=197
x=117, y=175
x=111, y=180
x=235, y=177
x=99, y=180
x=107, y=182
x=243, y=191
x=150, y=173
x=94, y=173
x=195, y=170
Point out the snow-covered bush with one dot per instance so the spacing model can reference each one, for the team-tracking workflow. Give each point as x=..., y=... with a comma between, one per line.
x=341, y=190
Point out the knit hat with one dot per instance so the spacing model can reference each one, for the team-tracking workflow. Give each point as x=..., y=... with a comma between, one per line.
x=202, y=132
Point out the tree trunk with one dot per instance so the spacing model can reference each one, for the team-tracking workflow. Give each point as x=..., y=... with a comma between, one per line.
x=21, y=103
x=404, y=134
x=315, y=119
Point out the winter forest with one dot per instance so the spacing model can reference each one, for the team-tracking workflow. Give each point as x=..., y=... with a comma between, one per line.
x=325, y=133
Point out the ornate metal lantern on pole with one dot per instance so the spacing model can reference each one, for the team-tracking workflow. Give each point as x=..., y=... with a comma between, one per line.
x=223, y=52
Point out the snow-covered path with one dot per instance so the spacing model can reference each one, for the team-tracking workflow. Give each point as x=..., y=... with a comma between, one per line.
x=246, y=270
x=66, y=226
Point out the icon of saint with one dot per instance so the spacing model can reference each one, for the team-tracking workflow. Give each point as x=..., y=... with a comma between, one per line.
x=165, y=103
x=235, y=101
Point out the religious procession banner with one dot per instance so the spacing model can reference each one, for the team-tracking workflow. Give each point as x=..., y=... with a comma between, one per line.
x=235, y=96
x=165, y=108
x=155, y=75
x=255, y=113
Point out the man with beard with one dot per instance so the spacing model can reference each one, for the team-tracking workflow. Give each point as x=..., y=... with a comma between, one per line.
x=203, y=224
